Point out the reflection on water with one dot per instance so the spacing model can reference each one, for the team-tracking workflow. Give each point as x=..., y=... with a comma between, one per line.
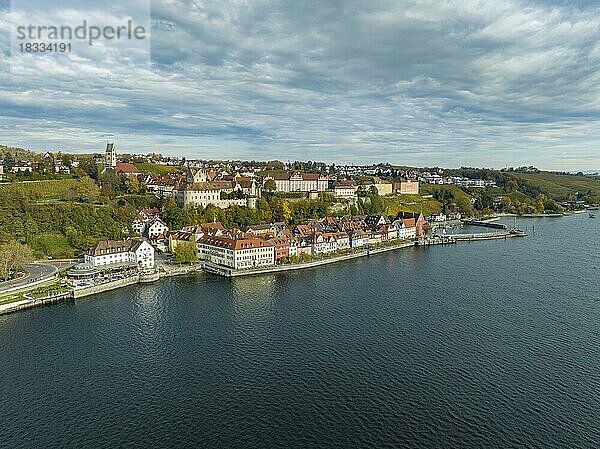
x=483, y=344
x=253, y=297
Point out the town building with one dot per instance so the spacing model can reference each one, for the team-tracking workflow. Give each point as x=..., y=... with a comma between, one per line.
x=266, y=229
x=329, y=242
x=141, y=220
x=415, y=219
x=383, y=187
x=405, y=186
x=406, y=228
x=299, y=182
x=176, y=238
x=155, y=228
x=110, y=252
x=344, y=189
x=285, y=247
x=358, y=238
x=163, y=185
x=198, y=190
x=127, y=169
x=236, y=253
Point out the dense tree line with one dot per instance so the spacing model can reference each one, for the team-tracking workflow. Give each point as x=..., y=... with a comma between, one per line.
x=67, y=227
x=269, y=209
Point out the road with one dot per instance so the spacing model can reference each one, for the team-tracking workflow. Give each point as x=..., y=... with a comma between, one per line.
x=37, y=272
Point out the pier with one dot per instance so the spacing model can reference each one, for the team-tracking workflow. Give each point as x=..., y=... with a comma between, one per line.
x=445, y=240
x=487, y=224
x=488, y=235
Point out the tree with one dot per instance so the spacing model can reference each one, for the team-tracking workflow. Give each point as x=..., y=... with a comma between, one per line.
x=512, y=186
x=185, y=252
x=270, y=186
x=9, y=162
x=133, y=185
x=172, y=214
x=444, y=196
x=286, y=211
x=13, y=255
x=377, y=206
x=87, y=190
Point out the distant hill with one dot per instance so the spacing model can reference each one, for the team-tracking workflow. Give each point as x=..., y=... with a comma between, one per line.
x=558, y=186
x=16, y=152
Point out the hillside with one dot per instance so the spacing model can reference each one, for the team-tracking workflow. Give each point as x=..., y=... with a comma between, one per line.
x=15, y=152
x=39, y=190
x=557, y=186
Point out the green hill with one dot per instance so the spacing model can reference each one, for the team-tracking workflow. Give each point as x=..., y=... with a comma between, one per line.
x=15, y=152
x=39, y=190
x=557, y=186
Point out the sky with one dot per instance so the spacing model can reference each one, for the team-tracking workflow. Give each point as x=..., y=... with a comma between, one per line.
x=421, y=83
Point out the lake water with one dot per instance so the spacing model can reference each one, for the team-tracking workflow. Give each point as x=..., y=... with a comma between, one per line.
x=484, y=344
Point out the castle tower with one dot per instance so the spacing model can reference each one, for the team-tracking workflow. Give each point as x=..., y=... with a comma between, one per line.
x=110, y=157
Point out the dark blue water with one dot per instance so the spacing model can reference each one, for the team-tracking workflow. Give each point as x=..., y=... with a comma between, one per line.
x=485, y=344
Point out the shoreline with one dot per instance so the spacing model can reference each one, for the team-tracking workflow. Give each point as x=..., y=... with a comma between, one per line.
x=207, y=267
x=230, y=272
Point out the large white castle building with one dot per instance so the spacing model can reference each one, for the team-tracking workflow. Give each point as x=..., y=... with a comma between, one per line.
x=197, y=190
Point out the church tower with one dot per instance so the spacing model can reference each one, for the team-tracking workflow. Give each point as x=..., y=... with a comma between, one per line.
x=110, y=157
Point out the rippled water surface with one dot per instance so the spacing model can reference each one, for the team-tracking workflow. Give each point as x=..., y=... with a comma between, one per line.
x=485, y=344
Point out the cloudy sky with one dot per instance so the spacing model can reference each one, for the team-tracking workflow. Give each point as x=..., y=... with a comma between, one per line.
x=450, y=83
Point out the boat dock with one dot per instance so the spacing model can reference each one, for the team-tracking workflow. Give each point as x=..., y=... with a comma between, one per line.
x=487, y=224
x=488, y=235
x=445, y=240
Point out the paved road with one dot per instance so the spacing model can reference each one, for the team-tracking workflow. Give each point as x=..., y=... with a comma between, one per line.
x=37, y=272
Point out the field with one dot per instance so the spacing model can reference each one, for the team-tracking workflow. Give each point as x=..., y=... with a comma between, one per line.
x=411, y=203
x=39, y=190
x=560, y=186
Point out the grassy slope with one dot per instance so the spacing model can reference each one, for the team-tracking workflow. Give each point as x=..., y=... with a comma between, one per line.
x=411, y=203
x=559, y=186
x=429, y=189
x=17, y=153
x=39, y=190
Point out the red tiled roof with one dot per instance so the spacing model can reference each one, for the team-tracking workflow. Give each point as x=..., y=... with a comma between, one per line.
x=234, y=244
x=310, y=176
x=207, y=186
x=280, y=176
x=127, y=168
x=410, y=222
x=110, y=247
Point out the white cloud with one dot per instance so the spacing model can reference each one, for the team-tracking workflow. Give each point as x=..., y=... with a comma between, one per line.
x=450, y=83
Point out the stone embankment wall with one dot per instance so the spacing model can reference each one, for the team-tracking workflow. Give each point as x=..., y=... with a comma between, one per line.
x=224, y=271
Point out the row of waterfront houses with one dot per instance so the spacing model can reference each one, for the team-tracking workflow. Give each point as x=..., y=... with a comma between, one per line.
x=256, y=246
x=267, y=245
